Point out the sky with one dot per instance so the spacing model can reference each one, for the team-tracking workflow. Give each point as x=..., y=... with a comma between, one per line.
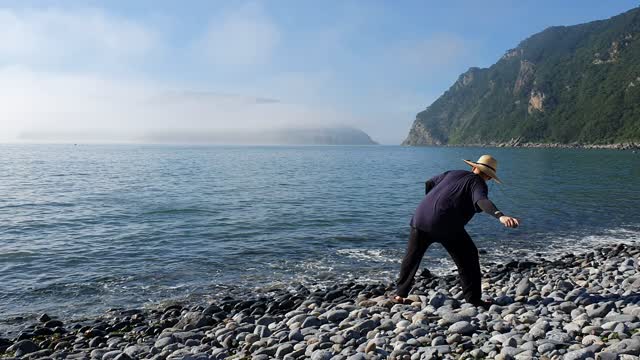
x=109, y=71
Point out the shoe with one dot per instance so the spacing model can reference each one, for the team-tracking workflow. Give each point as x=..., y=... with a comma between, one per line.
x=400, y=300
x=483, y=304
x=426, y=274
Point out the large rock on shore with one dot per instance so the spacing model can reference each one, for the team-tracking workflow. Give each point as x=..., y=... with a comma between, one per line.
x=23, y=347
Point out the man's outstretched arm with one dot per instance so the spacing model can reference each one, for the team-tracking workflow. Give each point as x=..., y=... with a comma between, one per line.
x=489, y=207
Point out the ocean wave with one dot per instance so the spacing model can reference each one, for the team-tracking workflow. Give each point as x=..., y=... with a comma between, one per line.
x=37, y=204
x=378, y=255
x=70, y=174
x=556, y=245
x=621, y=235
x=17, y=255
x=179, y=211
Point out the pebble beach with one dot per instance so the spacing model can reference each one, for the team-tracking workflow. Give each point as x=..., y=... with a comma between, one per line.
x=571, y=306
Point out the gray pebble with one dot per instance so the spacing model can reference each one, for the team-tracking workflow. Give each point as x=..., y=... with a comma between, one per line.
x=335, y=316
x=321, y=355
x=462, y=328
x=580, y=354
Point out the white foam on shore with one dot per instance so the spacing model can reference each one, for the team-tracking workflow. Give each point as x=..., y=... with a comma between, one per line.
x=620, y=235
x=551, y=247
x=627, y=235
x=378, y=255
x=389, y=263
x=374, y=265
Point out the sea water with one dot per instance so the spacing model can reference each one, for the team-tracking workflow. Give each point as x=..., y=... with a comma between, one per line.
x=91, y=227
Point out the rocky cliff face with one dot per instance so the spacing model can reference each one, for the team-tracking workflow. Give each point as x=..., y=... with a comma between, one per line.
x=420, y=135
x=576, y=84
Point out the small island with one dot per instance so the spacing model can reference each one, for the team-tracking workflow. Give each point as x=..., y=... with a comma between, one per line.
x=282, y=136
x=338, y=135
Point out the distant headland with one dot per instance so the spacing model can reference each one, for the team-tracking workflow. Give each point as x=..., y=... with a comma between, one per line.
x=281, y=136
x=566, y=86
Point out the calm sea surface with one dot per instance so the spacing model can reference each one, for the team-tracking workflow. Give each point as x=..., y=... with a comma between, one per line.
x=87, y=228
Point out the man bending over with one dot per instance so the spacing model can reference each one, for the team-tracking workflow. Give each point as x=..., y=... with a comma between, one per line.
x=452, y=198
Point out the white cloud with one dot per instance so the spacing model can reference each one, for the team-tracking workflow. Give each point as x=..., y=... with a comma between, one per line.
x=242, y=37
x=53, y=79
x=108, y=109
x=46, y=37
x=55, y=76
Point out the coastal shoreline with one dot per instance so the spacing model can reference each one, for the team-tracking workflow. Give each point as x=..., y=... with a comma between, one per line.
x=574, y=306
x=617, y=146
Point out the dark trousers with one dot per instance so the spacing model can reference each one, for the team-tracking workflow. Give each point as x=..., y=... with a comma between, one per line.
x=461, y=249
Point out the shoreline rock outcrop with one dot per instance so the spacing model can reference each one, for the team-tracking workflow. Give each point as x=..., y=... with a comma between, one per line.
x=515, y=143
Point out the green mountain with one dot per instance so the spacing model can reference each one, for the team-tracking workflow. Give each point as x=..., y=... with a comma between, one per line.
x=566, y=84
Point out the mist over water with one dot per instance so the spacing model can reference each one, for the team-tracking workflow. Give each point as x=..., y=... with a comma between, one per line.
x=298, y=135
x=87, y=228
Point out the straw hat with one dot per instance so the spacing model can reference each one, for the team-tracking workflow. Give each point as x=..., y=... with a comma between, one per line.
x=488, y=165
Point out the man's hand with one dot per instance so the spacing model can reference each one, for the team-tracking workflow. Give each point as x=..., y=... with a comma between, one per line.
x=509, y=221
